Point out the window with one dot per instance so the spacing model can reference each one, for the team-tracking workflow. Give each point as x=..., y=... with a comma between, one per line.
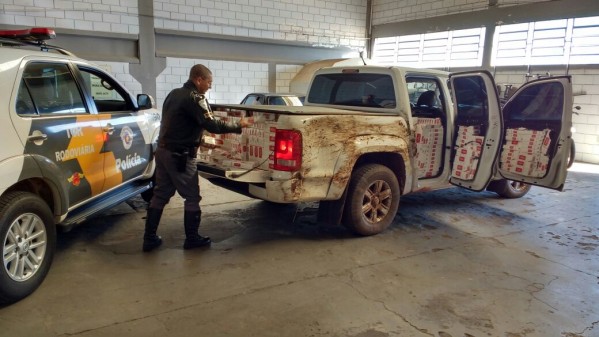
x=252, y=100
x=458, y=48
x=565, y=41
x=277, y=100
x=25, y=104
x=365, y=90
x=472, y=98
x=539, y=102
x=426, y=98
x=106, y=93
x=48, y=88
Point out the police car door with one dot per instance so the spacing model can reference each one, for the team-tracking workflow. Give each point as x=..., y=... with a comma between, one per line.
x=126, y=150
x=58, y=130
x=525, y=141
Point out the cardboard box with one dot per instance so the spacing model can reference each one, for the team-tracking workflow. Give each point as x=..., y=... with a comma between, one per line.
x=468, y=153
x=524, y=152
x=429, y=144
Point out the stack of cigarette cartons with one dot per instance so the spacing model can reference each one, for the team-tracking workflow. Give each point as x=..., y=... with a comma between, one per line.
x=261, y=139
x=469, y=148
x=525, y=152
x=252, y=148
x=429, y=146
x=229, y=149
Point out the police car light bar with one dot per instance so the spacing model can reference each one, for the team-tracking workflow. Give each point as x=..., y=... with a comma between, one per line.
x=32, y=34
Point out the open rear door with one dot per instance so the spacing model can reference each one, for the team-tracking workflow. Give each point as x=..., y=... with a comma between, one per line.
x=536, y=134
x=527, y=141
x=478, y=124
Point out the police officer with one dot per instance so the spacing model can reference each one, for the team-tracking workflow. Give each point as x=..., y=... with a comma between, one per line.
x=185, y=114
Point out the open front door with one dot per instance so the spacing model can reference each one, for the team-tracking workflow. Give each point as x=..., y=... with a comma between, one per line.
x=527, y=141
x=478, y=124
x=536, y=134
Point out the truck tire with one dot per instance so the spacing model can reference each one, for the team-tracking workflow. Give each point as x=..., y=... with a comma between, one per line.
x=372, y=199
x=28, y=237
x=509, y=188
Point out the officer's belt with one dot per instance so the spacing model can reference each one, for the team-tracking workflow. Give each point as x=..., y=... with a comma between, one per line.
x=178, y=148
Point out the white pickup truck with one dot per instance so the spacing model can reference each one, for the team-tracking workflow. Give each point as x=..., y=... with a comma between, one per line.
x=368, y=135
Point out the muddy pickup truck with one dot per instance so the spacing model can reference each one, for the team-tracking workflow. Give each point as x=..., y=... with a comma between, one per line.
x=368, y=135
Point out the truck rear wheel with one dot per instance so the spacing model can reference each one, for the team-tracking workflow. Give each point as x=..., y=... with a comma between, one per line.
x=509, y=188
x=372, y=199
x=28, y=237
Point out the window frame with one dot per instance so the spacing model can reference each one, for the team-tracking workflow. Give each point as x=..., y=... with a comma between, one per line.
x=538, y=43
x=130, y=104
x=81, y=109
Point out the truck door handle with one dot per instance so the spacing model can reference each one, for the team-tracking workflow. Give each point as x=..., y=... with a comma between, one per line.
x=37, y=137
x=109, y=129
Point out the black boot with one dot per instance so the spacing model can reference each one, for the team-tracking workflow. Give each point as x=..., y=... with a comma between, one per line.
x=151, y=240
x=192, y=238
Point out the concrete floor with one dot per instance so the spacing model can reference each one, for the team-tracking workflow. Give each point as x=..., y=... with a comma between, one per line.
x=453, y=264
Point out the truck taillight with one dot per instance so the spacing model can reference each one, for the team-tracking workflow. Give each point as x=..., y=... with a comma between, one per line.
x=288, y=150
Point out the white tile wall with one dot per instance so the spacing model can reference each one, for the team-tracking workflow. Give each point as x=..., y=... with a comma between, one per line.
x=586, y=90
x=231, y=80
x=387, y=11
x=284, y=75
x=331, y=23
x=117, y=16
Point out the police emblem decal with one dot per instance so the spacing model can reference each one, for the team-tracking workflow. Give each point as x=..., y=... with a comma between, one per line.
x=127, y=137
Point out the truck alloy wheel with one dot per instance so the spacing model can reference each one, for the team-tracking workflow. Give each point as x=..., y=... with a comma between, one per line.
x=28, y=241
x=373, y=199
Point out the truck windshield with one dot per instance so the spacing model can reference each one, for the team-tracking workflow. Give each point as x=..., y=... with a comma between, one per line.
x=364, y=90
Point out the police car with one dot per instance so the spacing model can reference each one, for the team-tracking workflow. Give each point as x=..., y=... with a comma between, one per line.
x=74, y=142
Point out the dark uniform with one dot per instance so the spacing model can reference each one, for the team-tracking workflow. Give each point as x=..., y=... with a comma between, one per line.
x=185, y=114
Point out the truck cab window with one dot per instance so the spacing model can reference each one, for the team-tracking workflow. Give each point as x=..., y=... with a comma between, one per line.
x=539, y=102
x=359, y=90
x=426, y=102
x=473, y=104
x=426, y=98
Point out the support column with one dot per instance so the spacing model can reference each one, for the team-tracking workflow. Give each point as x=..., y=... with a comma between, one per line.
x=149, y=66
x=488, y=50
x=272, y=77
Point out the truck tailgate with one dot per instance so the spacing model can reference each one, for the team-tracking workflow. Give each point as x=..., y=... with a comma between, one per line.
x=244, y=157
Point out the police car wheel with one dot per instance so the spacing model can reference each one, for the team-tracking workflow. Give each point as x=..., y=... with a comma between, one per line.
x=28, y=237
